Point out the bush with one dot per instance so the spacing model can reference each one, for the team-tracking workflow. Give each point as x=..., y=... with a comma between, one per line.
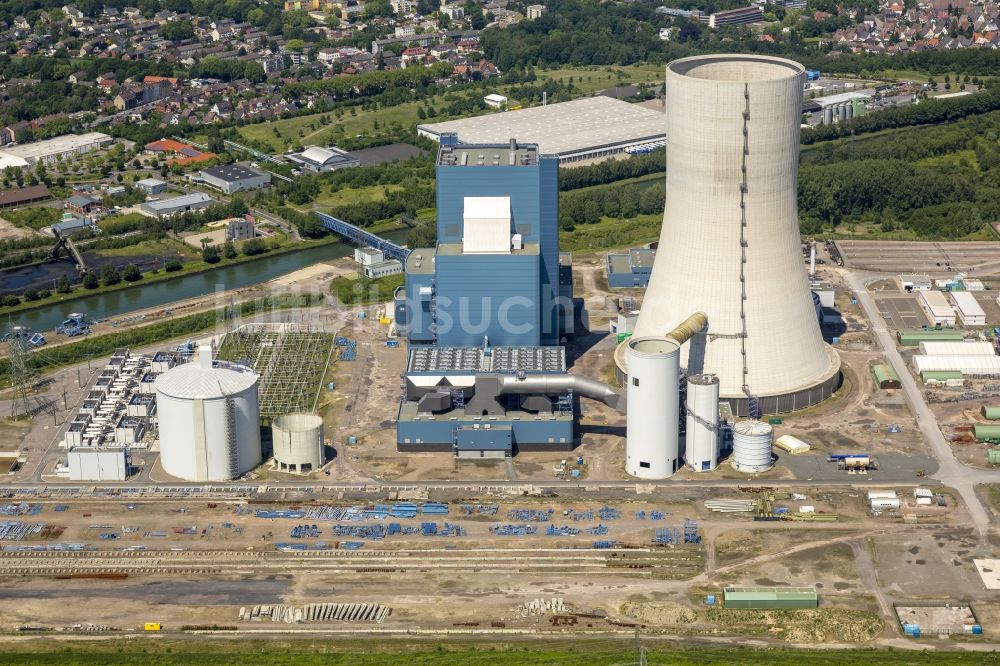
x=254, y=246
x=91, y=281
x=210, y=254
x=110, y=275
x=229, y=250
x=131, y=273
x=10, y=300
x=173, y=266
x=63, y=286
x=31, y=295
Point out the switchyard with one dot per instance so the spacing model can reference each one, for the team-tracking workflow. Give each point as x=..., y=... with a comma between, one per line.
x=290, y=361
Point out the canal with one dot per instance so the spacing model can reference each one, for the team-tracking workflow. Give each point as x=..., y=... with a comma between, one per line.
x=140, y=297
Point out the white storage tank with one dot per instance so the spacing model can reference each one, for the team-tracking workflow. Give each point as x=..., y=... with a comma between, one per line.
x=651, y=447
x=297, y=440
x=752, y=446
x=701, y=449
x=209, y=420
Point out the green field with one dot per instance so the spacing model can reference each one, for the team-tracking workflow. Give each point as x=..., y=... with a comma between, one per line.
x=550, y=652
x=354, y=289
x=166, y=247
x=281, y=134
x=33, y=218
x=611, y=233
x=352, y=195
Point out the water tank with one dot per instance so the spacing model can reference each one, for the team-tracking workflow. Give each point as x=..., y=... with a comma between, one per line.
x=702, y=439
x=209, y=420
x=752, y=446
x=651, y=447
x=848, y=111
x=828, y=115
x=297, y=440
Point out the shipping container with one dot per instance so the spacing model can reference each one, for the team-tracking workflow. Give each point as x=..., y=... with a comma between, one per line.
x=769, y=598
x=152, y=626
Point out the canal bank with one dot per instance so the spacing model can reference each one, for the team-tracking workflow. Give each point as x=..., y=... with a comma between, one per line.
x=142, y=296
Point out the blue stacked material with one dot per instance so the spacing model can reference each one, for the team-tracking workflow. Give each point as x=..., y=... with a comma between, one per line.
x=581, y=515
x=691, y=531
x=657, y=515
x=352, y=545
x=305, y=532
x=667, y=535
x=552, y=530
x=291, y=546
x=61, y=507
x=379, y=512
x=780, y=510
x=604, y=544
x=243, y=511
x=227, y=526
x=155, y=533
x=574, y=474
x=598, y=530
x=513, y=530
x=107, y=536
x=450, y=529
x=977, y=629
x=479, y=509
x=280, y=513
x=403, y=510
x=710, y=600
x=640, y=515
x=394, y=528
x=912, y=630
x=428, y=529
x=434, y=509
x=530, y=515
x=375, y=532
x=341, y=341
x=608, y=513
x=20, y=509
x=349, y=351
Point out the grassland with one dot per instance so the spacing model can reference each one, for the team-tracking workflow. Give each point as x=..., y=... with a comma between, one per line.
x=581, y=652
x=612, y=233
x=33, y=218
x=166, y=247
x=308, y=130
x=354, y=289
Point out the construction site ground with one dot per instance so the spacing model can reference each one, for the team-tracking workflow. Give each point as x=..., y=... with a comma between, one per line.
x=227, y=560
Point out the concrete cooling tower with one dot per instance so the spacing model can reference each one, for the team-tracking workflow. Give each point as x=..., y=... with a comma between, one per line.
x=730, y=243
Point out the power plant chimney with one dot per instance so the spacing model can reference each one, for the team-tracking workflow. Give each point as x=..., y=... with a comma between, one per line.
x=730, y=244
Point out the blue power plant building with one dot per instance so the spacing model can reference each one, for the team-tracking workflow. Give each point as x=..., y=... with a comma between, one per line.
x=486, y=309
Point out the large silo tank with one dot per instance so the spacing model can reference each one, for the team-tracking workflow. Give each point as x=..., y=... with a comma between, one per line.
x=828, y=115
x=701, y=449
x=209, y=420
x=297, y=440
x=848, y=111
x=752, y=446
x=732, y=134
x=651, y=447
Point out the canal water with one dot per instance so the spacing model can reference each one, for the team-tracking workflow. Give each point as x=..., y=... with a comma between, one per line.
x=140, y=297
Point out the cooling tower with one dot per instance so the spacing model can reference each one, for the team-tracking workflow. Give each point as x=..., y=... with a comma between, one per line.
x=729, y=245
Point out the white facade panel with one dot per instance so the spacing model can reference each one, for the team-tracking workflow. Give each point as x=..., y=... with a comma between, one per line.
x=970, y=348
x=700, y=261
x=89, y=465
x=653, y=418
x=701, y=450
x=968, y=308
x=937, y=307
x=486, y=225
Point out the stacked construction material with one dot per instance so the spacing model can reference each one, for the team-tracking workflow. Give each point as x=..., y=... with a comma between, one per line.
x=346, y=612
x=731, y=505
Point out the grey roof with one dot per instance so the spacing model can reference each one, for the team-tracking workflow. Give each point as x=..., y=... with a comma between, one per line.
x=150, y=182
x=193, y=382
x=562, y=128
x=80, y=200
x=179, y=202
x=231, y=173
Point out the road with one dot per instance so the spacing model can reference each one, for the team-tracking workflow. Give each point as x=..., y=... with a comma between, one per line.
x=950, y=471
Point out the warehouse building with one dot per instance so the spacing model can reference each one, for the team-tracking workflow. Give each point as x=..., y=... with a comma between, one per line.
x=770, y=598
x=964, y=348
x=583, y=129
x=970, y=366
x=936, y=305
x=913, y=337
x=151, y=186
x=969, y=310
x=24, y=195
x=885, y=376
x=631, y=269
x=317, y=159
x=232, y=178
x=50, y=150
x=182, y=204
x=915, y=282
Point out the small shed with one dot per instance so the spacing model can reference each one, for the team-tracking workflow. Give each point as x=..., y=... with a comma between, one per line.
x=792, y=445
x=885, y=376
x=770, y=598
x=495, y=100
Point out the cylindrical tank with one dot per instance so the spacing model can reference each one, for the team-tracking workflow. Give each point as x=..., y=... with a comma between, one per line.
x=297, y=440
x=752, y=446
x=209, y=420
x=848, y=111
x=702, y=433
x=651, y=447
x=828, y=115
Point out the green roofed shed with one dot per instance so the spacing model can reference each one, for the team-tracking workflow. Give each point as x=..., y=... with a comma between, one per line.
x=885, y=376
x=769, y=598
x=940, y=375
x=913, y=337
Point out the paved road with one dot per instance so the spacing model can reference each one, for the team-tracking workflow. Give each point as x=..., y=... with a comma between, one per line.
x=950, y=471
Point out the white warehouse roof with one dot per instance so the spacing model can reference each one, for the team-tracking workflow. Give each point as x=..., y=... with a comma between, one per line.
x=192, y=381
x=975, y=366
x=941, y=348
x=561, y=129
x=61, y=144
x=967, y=304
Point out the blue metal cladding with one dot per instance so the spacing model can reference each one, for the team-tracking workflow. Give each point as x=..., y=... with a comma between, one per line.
x=492, y=295
x=554, y=434
x=418, y=317
x=534, y=196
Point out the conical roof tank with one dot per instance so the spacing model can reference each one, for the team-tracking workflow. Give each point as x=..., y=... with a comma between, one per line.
x=729, y=243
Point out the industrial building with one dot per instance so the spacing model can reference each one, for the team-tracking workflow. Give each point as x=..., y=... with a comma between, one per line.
x=885, y=377
x=374, y=264
x=916, y=282
x=963, y=348
x=583, y=129
x=318, y=160
x=843, y=106
x=151, y=186
x=50, y=150
x=209, y=419
x=913, y=337
x=97, y=465
x=484, y=311
x=738, y=16
x=232, y=178
x=937, y=308
x=770, y=598
x=763, y=341
x=240, y=229
x=631, y=269
x=181, y=204
x=24, y=195
x=969, y=366
x=969, y=310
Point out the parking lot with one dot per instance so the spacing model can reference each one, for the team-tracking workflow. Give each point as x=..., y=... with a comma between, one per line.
x=897, y=257
x=901, y=312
